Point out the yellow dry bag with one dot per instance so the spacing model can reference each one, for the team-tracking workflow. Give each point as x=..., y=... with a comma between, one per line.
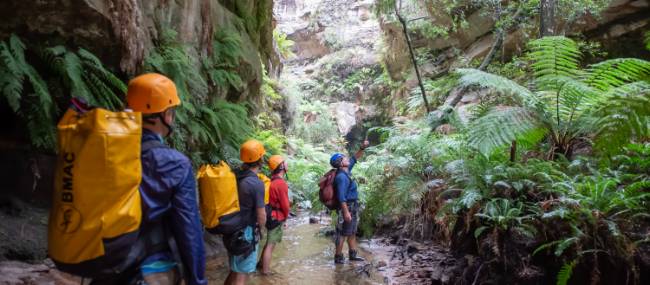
x=96, y=209
x=219, y=198
x=267, y=186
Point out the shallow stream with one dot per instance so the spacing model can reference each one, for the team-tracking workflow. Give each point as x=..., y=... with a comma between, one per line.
x=305, y=256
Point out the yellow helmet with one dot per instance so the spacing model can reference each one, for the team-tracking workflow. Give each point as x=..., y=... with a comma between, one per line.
x=275, y=161
x=151, y=93
x=251, y=151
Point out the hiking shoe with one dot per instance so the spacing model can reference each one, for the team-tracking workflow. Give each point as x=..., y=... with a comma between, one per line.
x=355, y=257
x=339, y=259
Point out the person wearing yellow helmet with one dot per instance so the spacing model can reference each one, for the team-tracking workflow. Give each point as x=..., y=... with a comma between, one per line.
x=167, y=189
x=277, y=210
x=252, y=210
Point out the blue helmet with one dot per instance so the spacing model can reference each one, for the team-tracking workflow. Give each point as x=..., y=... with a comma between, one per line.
x=335, y=160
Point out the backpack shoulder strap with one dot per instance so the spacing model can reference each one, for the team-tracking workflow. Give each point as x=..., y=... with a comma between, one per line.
x=151, y=144
x=346, y=174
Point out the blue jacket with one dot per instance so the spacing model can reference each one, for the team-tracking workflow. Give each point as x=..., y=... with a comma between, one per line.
x=168, y=191
x=346, y=188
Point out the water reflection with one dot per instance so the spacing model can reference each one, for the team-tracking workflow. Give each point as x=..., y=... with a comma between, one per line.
x=304, y=257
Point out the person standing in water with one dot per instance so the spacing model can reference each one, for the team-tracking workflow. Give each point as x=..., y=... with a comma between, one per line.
x=277, y=211
x=348, y=197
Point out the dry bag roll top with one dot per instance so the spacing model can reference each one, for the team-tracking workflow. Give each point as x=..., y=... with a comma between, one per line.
x=219, y=198
x=96, y=209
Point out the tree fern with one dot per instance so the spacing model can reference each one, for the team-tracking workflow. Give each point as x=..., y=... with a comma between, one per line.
x=626, y=115
x=565, y=273
x=501, y=126
x=609, y=99
x=553, y=57
x=617, y=72
x=470, y=77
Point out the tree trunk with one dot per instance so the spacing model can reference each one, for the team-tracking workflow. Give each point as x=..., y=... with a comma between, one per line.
x=500, y=34
x=498, y=41
x=412, y=53
x=513, y=151
x=546, y=18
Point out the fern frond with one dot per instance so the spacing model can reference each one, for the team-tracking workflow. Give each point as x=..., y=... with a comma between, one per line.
x=554, y=56
x=171, y=59
x=565, y=272
x=95, y=66
x=11, y=80
x=15, y=70
x=624, y=116
x=227, y=47
x=284, y=45
x=617, y=72
x=570, y=100
x=471, y=77
x=501, y=126
x=74, y=72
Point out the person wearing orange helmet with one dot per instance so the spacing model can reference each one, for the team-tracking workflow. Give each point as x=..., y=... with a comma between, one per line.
x=167, y=189
x=277, y=210
x=251, y=208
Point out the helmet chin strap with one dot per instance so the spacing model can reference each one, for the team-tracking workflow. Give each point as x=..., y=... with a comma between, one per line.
x=168, y=126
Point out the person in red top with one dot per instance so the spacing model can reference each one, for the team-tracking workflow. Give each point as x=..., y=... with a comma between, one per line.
x=279, y=209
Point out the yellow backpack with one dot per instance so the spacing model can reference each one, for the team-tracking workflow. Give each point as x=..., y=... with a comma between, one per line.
x=219, y=198
x=96, y=211
x=267, y=186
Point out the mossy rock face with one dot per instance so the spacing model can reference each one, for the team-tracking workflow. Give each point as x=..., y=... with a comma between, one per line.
x=122, y=32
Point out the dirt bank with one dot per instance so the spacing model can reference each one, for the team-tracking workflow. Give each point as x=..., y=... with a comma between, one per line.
x=405, y=261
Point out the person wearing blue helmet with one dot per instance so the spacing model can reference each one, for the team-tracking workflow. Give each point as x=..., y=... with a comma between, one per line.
x=348, y=196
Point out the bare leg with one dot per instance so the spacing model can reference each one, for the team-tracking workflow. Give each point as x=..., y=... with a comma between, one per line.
x=240, y=278
x=231, y=279
x=339, y=246
x=267, y=254
x=352, y=243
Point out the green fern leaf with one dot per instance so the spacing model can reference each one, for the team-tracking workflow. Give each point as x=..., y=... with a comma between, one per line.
x=553, y=57
x=16, y=69
x=617, y=72
x=626, y=115
x=11, y=78
x=471, y=77
x=500, y=127
x=565, y=272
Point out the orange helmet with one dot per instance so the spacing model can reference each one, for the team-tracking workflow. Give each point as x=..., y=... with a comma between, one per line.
x=251, y=151
x=275, y=161
x=151, y=93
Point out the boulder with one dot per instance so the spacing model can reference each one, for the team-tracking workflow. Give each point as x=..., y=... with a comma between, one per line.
x=345, y=114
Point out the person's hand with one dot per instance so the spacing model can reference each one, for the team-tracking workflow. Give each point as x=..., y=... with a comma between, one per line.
x=347, y=217
x=285, y=225
x=365, y=144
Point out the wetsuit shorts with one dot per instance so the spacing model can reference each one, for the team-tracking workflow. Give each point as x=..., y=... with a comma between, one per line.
x=275, y=235
x=347, y=229
x=245, y=263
